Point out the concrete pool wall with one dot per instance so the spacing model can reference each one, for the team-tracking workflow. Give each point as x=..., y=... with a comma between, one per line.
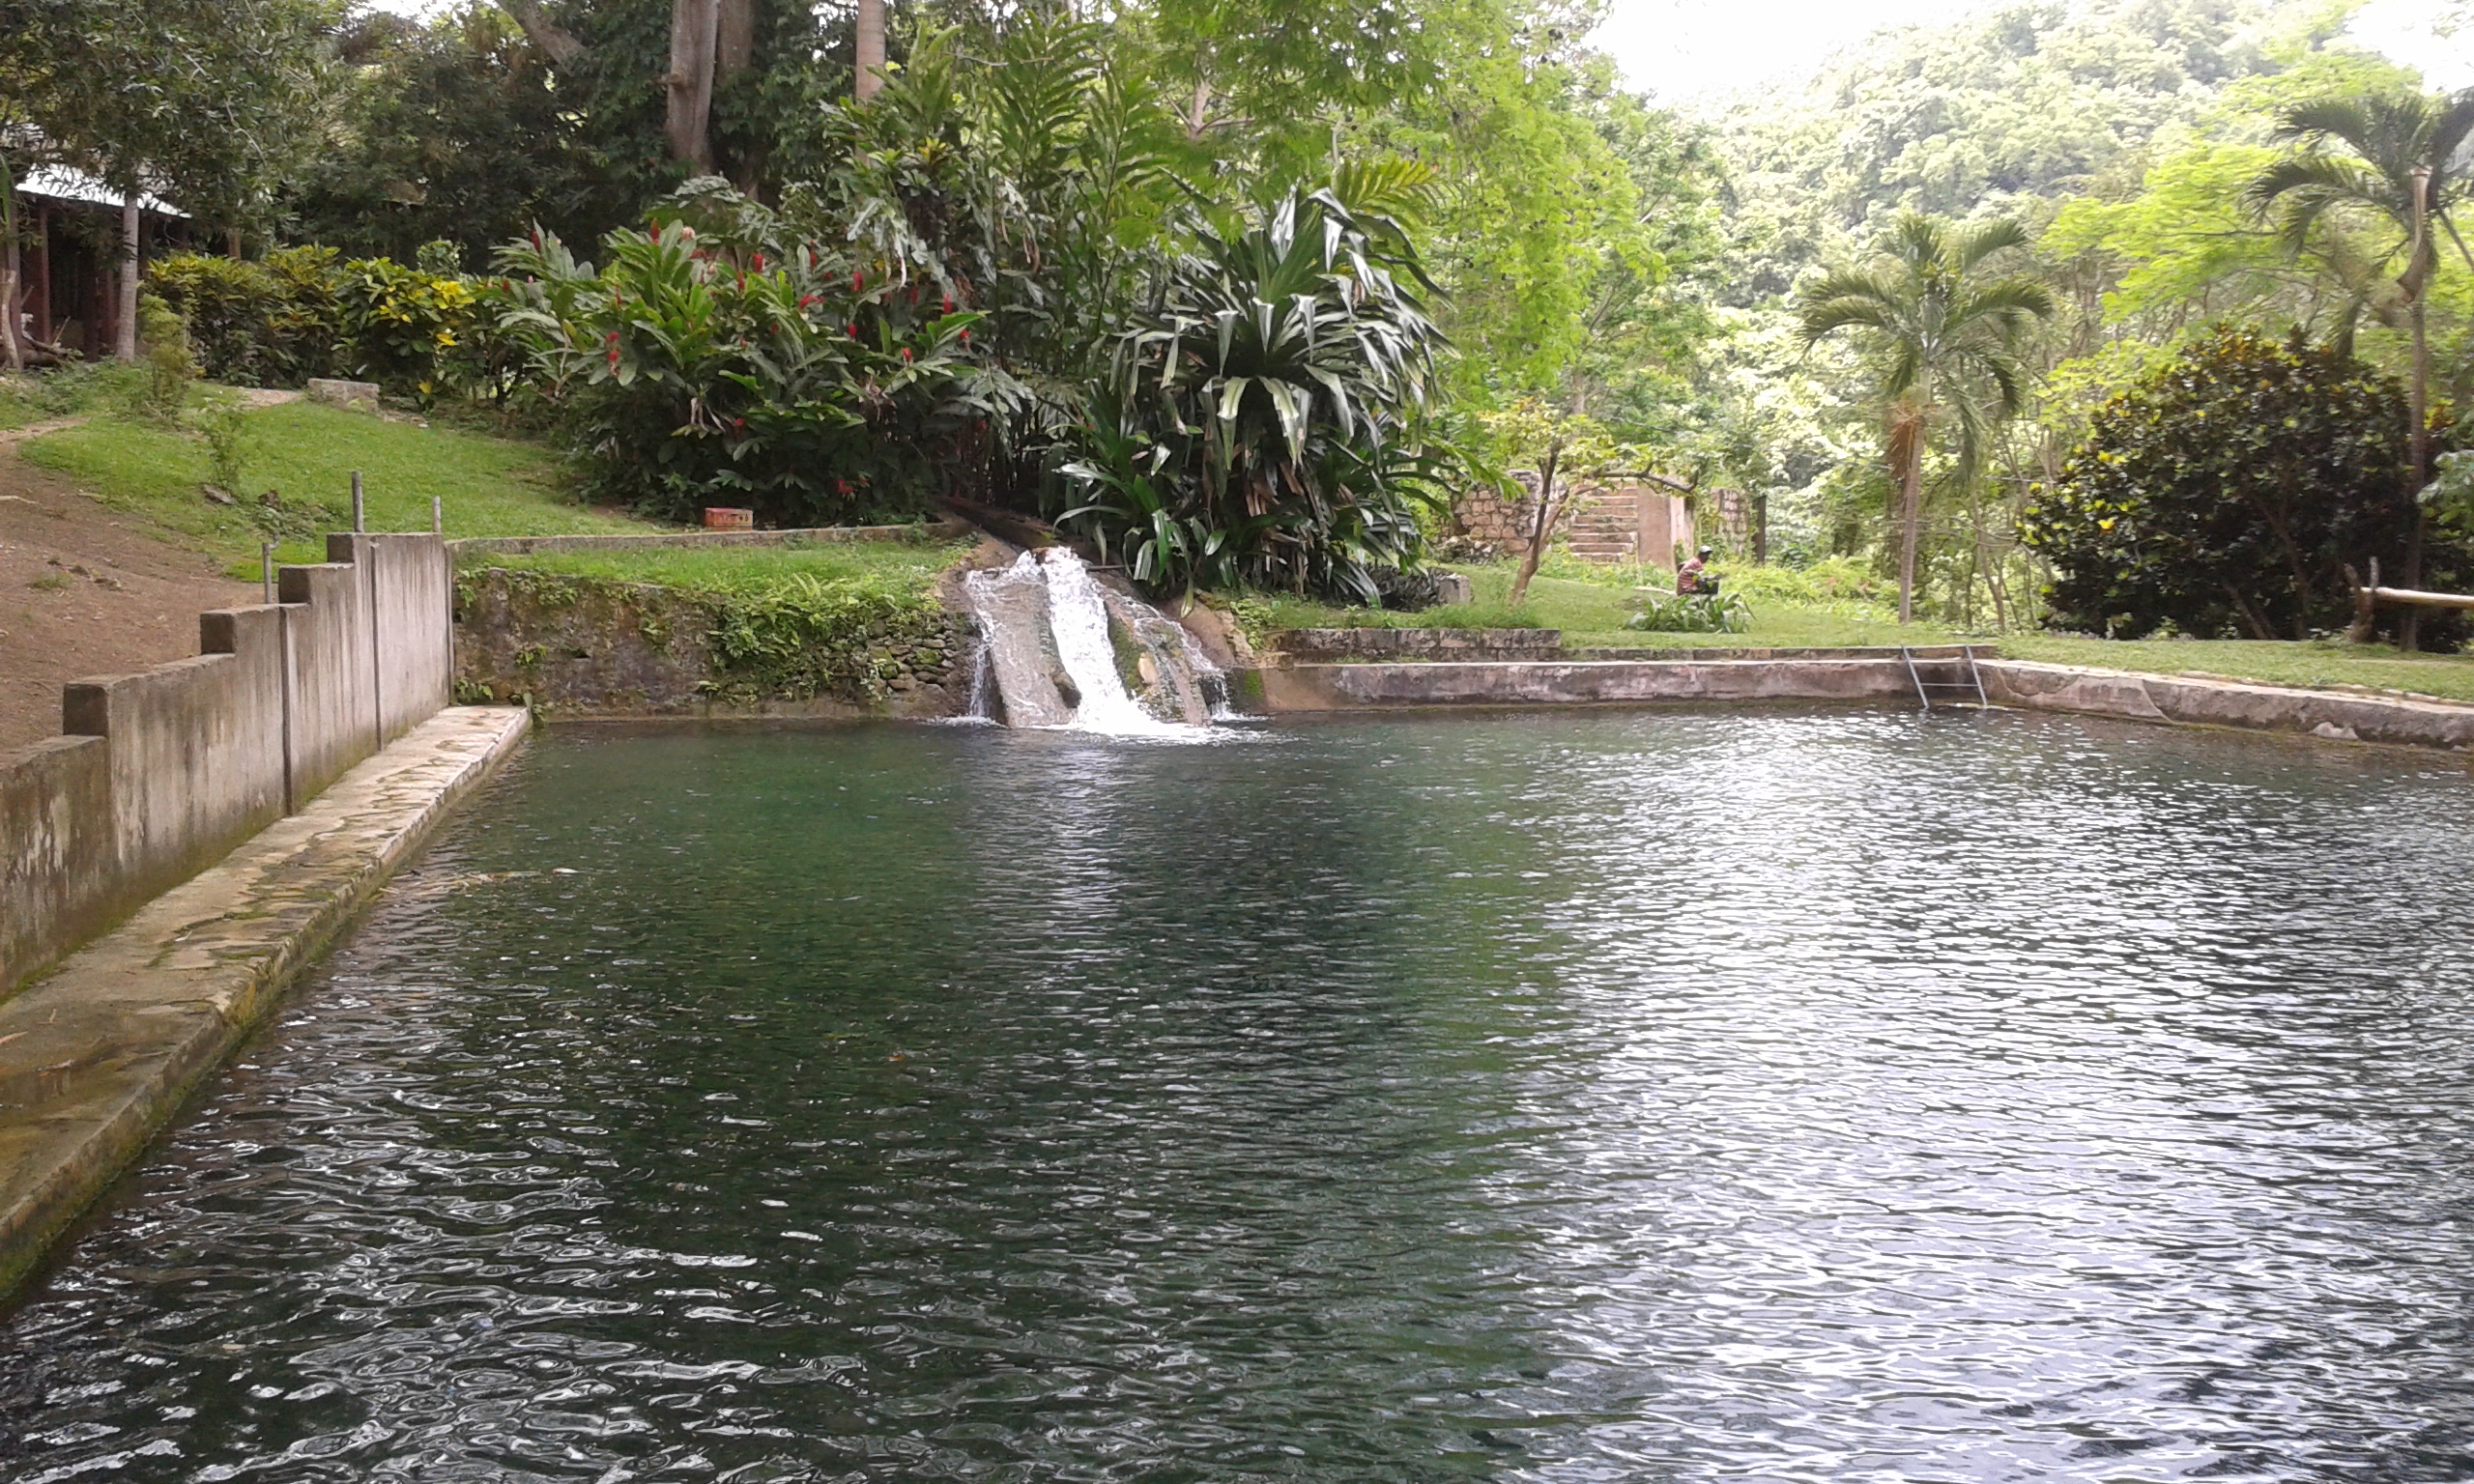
x=159, y=775
x=1879, y=677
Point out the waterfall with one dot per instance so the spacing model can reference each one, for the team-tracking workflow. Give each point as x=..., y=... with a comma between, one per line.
x=1060, y=649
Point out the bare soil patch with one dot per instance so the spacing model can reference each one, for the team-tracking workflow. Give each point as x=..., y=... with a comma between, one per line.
x=86, y=591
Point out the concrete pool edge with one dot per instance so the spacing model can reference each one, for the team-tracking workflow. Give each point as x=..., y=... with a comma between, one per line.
x=98, y=1056
x=2126, y=695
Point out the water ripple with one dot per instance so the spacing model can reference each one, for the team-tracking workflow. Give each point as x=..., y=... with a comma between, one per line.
x=1592, y=1096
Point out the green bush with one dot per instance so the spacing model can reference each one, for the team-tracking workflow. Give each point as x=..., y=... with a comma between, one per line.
x=169, y=365
x=727, y=368
x=303, y=312
x=1692, y=613
x=406, y=324
x=2228, y=493
x=271, y=323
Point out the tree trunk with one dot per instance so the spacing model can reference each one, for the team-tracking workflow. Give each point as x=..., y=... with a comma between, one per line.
x=1910, y=518
x=693, y=24
x=1760, y=531
x=1539, y=530
x=2418, y=432
x=870, y=37
x=560, y=45
x=125, y=337
x=12, y=331
x=733, y=38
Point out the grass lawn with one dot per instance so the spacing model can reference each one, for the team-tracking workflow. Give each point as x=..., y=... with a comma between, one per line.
x=2316, y=664
x=306, y=453
x=1589, y=604
x=1796, y=609
x=38, y=396
x=908, y=566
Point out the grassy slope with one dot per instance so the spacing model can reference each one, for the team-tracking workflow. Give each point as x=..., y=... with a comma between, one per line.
x=306, y=453
x=907, y=566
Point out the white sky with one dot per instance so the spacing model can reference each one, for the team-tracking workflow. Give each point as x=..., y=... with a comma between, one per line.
x=1700, y=50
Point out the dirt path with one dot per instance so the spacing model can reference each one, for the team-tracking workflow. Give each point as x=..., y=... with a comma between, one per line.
x=85, y=590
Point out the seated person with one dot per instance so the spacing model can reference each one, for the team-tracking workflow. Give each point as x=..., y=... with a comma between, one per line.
x=1689, y=578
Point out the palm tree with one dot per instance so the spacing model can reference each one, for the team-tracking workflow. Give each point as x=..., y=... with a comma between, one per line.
x=1948, y=343
x=869, y=45
x=2395, y=161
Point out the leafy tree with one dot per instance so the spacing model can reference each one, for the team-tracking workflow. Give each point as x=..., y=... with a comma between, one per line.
x=2231, y=491
x=208, y=103
x=1945, y=336
x=2394, y=157
x=453, y=130
x=1259, y=426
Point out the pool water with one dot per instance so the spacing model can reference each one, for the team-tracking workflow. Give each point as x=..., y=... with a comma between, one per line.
x=1658, y=1096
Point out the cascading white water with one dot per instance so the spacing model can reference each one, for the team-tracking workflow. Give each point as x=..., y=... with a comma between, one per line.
x=1049, y=657
x=1079, y=620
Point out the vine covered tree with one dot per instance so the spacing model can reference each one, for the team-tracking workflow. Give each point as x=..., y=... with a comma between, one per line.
x=2393, y=157
x=1947, y=338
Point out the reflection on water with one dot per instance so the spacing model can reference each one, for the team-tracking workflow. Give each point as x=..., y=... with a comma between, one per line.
x=1588, y=1096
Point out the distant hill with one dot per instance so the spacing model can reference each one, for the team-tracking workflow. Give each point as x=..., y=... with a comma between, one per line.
x=2029, y=100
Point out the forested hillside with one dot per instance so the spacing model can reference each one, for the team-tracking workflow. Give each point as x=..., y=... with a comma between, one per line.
x=2122, y=136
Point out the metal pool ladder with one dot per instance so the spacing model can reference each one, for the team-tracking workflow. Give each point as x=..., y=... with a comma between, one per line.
x=1974, y=684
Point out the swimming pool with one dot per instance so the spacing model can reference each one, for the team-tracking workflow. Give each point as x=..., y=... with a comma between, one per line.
x=1581, y=1095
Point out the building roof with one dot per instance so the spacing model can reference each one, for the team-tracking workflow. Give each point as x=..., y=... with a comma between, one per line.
x=62, y=184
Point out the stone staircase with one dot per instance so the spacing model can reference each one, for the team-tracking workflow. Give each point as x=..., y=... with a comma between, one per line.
x=1607, y=527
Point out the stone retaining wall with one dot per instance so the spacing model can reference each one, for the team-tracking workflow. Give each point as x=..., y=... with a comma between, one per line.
x=1295, y=645
x=2333, y=715
x=159, y=775
x=1875, y=675
x=578, y=647
x=1363, y=687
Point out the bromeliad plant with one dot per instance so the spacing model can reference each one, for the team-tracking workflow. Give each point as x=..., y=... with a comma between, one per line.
x=729, y=367
x=1260, y=423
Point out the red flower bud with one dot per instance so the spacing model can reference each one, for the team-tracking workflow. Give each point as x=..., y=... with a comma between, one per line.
x=906, y=352
x=806, y=300
x=854, y=330
x=760, y=262
x=858, y=280
x=949, y=304
x=966, y=337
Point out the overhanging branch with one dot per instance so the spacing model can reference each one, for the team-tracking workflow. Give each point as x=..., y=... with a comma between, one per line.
x=557, y=42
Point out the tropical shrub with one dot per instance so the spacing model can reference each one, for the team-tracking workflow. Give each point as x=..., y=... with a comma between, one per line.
x=731, y=368
x=276, y=322
x=2228, y=493
x=1692, y=613
x=1259, y=424
x=404, y=322
x=1032, y=180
